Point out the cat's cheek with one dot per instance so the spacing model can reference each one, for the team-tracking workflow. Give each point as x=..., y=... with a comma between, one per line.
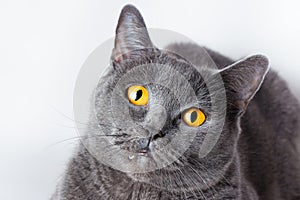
x=142, y=161
x=159, y=144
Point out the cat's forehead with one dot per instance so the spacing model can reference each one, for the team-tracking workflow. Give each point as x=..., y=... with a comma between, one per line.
x=159, y=67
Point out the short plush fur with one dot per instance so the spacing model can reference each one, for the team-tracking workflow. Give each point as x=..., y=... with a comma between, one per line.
x=256, y=156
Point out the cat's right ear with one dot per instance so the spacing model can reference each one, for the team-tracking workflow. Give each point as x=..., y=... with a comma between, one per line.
x=131, y=34
x=243, y=79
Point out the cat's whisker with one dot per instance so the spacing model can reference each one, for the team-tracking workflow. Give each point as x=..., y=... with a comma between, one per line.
x=191, y=184
x=71, y=127
x=198, y=174
x=65, y=140
x=170, y=180
x=65, y=116
x=177, y=156
x=212, y=172
x=195, y=171
x=80, y=138
x=109, y=126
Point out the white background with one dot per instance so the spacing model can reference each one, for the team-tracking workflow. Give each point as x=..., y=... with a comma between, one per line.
x=44, y=43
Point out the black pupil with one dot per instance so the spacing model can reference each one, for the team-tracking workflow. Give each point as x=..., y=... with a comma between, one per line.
x=139, y=94
x=193, y=116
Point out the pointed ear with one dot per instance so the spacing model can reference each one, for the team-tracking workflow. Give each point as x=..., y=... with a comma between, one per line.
x=131, y=34
x=243, y=79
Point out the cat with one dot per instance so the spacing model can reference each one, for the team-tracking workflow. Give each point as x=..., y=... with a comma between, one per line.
x=255, y=157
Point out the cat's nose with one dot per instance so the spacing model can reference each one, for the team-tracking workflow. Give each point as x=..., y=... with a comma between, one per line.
x=156, y=118
x=143, y=144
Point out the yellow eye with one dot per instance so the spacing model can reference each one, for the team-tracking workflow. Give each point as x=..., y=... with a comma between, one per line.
x=194, y=117
x=138, y=95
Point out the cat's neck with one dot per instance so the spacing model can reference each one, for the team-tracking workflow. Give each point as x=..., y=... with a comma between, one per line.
x=105, y=181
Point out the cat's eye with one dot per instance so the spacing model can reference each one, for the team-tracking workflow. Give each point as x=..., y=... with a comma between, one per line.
x=138, y=95
x=194, y=117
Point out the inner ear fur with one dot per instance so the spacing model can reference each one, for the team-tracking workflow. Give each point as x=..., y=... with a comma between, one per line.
x=243, y=79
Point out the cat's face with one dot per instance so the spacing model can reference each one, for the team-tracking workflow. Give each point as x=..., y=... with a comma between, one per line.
x=151, y=110
x=156, y=108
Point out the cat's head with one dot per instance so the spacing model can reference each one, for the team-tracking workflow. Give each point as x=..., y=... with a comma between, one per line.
x=156, y=109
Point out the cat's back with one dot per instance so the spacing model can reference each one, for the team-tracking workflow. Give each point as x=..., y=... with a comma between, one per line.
x=270, y=140
x=269, y=144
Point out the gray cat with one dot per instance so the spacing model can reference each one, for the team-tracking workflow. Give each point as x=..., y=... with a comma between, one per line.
x=255, y=157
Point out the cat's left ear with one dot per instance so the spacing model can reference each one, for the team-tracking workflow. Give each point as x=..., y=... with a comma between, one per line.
x=243, y=79
x=131, y=34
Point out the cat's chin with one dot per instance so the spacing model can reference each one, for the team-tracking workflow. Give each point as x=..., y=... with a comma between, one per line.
x=145, y=178
x=163, y=181
x=138, y=177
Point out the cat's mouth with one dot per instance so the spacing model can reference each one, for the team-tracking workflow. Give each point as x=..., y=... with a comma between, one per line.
x=144, y=152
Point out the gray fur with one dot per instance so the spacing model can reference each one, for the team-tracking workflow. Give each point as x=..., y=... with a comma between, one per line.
x=256, y=156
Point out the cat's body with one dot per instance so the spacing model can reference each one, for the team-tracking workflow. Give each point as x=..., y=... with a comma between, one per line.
x=262, y=162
